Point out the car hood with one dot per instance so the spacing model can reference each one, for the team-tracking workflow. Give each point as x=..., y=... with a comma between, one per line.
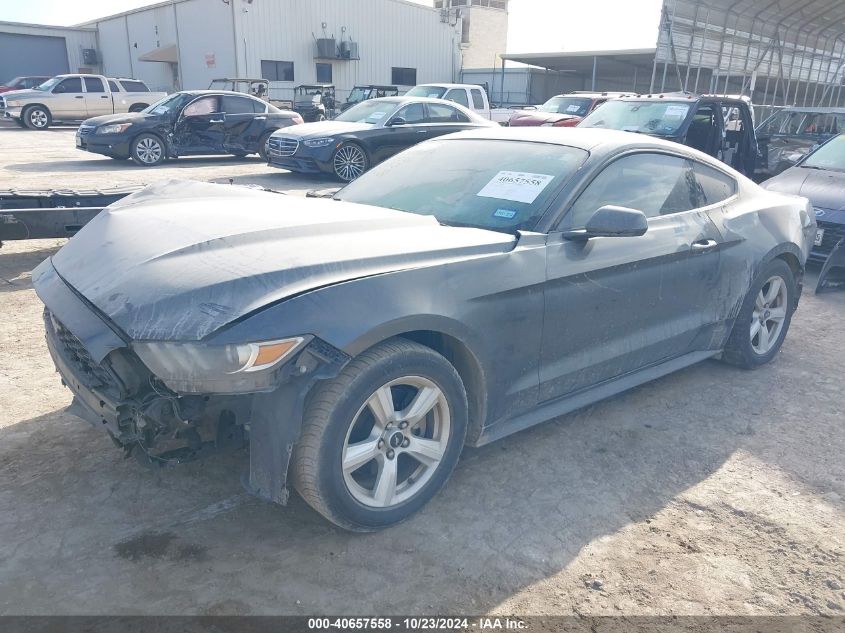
x=134, y=117
x=530, y=117
x=323, y=128
x=23, y=94
x=178, y=260
x=823, y=188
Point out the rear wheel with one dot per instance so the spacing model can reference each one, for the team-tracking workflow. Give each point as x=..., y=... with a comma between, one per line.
x=147, y=150
x=349, y=162
x=764, y=318
x=382, y=438
x=37, y=118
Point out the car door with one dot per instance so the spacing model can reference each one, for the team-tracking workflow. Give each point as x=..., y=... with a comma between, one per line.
x=97, y=98
x=68, y=99
x=617, y=304
x=244, y=123
x=200, y=127
x=406, y=127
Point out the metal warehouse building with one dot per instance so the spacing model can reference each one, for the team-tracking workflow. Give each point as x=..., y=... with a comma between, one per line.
x=187, y=43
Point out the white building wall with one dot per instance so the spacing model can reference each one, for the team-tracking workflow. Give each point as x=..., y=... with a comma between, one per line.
x=388, y=32
x=205, y=28
x=488, y=37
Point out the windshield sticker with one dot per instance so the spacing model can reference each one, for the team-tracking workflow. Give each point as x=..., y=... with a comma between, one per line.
x=377, y=115
x=433, y=95
x=573, y=108
x=516, y=186
x=507, y=214
x=676, y=111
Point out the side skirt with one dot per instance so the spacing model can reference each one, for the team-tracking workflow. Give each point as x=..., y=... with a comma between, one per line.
x=560, y=406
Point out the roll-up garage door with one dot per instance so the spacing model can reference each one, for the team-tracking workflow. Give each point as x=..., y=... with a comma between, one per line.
x=31, y=55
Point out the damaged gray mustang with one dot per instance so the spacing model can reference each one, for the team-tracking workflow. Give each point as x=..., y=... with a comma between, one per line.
x=465, y=289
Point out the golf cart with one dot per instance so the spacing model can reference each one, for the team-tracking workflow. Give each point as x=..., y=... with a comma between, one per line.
x=363, y=93
x=314, y=102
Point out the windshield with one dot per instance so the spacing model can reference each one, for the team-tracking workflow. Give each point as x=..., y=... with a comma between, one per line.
x=171, y=103
x=661, y=118
x=357, y=94
x=13, y=82
x=434, y=92
x=372, y=112
x=831, y=156
x=48, y=85
x=791, y=123
x=578, y=106
x=484, y=183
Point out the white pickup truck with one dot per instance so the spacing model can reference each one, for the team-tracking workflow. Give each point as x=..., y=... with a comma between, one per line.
x=468, y=95
x=75, y=98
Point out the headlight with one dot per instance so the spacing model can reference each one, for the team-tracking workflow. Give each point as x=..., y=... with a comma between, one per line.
x=318, y=142
x=115, y=128
x=199, y=367
x=11, y=103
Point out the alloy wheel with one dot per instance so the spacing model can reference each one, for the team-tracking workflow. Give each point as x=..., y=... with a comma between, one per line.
x=768, y=315
x=396, y=441
x=38, y=118
x=349, y=162
x=148, y=150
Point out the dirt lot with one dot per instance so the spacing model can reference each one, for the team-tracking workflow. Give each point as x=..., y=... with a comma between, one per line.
x=711, y=491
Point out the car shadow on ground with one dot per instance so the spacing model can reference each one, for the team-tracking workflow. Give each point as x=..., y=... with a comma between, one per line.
x=105, y=162
x=16, y=267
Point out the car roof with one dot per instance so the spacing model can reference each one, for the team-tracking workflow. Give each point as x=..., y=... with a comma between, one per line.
x=439, y=85
x=215, y=92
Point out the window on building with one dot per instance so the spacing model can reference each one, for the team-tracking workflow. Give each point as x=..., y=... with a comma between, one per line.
x=276, y=70
x=134, y=86
x=324, y=73
x=403, y=76
x=71, y=84
x=94, y=84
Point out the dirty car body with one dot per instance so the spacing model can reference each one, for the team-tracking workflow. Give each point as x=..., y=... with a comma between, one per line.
x=157, y=338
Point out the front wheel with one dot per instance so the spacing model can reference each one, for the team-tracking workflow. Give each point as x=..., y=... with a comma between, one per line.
x=147, y=150
x=37, y=118
x=262, y=146
x=349, y=162
x=381, y=439
x=763, y=320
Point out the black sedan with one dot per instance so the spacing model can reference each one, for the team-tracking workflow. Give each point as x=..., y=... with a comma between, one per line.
x=367, y=134
x=468, y=288
x=186, y=123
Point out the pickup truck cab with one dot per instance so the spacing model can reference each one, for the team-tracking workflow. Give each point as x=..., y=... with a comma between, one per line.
x=69, y=98
x=470, y=96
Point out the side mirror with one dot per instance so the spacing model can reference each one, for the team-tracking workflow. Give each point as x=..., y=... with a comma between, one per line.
x=612, y=221
x=396, y=121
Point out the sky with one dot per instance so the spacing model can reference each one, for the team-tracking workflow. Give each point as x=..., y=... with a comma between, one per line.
x=534, y=25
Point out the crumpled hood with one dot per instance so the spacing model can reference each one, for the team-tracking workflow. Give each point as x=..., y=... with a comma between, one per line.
x=824, y=189
x=323, y=128
x=178, y=260
x=134, y=117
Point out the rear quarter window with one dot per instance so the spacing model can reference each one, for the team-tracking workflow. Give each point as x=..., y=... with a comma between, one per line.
x=716, y=185
x=134, y=86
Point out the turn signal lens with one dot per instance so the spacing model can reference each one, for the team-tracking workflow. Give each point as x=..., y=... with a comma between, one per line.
x=266, y=355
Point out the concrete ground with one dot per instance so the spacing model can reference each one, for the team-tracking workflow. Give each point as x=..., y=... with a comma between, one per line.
x=711, y=491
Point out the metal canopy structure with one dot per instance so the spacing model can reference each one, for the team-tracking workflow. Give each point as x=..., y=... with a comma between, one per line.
x=778, y=52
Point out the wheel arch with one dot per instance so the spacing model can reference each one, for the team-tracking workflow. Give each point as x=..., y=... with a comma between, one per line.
x=168, y=152
x=791, y=254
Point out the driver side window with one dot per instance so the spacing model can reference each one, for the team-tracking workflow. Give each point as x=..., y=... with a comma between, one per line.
x=656, y=184
x=413, y=113
x=206, y=105
x=71, y=84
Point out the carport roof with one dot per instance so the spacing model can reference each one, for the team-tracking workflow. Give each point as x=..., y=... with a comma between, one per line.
x=581, y=62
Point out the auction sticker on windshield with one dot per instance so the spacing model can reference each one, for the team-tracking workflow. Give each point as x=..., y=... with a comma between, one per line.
x=573, y=108
x=516, y=186
x=677, y=111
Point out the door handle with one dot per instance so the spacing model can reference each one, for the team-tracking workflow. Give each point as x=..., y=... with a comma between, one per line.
x=215, y=121
x=104, y=97
x=702, y=246
x=422, y=131
x=260, y=118
x=79, y=97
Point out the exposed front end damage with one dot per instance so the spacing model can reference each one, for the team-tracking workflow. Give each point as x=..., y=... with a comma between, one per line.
x=113, y=390
x=833, y=269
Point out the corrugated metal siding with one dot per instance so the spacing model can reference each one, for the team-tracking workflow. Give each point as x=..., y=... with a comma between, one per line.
x=75, y=41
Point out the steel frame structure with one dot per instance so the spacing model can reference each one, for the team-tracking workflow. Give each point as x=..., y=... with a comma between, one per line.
x=777, y=52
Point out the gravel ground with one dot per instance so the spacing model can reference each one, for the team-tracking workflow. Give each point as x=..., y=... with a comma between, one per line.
x=711, y=491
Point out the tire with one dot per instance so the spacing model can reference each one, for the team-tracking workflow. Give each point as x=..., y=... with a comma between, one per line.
x=37, y=117
x=768, y=309
x=349, y=162
x=339, y=416
x=262, y=145
x=143, y=150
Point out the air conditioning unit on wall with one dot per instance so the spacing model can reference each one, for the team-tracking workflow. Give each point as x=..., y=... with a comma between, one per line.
x=89, y=56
